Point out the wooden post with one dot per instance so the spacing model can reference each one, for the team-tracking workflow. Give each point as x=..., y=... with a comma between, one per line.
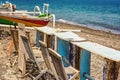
x=28, y=35
x=84, y=63
x=112, y=70
x=56, y=45
x=77, y=58
x=10, y=47
x=49, y=41
x=45, y=38
x=25, y=51
x=21, y=58
x=63, y=48
x=14, y=33
x=39, y=36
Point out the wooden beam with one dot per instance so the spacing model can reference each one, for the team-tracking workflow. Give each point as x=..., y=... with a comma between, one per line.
x=77, y=58
x=49, y=41
x=112, y=70
x=100, y=50
x=14, y=33
x=21, y=55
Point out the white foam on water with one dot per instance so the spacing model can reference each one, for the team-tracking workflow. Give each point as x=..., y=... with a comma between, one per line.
x=89, y=26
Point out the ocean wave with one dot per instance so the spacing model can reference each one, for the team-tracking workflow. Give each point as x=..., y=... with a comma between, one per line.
x=103, y=25
x=93, y=25
x=70, y=22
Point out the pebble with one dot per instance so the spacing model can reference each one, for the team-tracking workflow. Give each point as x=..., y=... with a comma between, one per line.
x=4, y=67
x=8, y=64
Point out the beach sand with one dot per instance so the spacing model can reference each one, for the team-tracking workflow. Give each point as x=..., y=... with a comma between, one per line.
x=104, y=38
x=108, y=39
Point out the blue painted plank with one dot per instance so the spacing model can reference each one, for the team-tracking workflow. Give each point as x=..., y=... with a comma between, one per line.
x=39, y=36
x=63, y=49
x=84, y=63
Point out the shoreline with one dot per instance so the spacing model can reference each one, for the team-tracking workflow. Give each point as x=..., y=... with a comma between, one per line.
x=88, y=26
x=108, y=39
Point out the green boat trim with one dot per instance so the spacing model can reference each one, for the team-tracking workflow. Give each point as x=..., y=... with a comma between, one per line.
x=4, y=21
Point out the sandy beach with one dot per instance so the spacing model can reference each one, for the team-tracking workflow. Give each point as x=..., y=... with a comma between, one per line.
x=104, y=38
x=23, y=58
x=108, y=39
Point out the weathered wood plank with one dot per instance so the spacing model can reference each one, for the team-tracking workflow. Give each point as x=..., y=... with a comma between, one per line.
x=39, y=36
x=47, y=58
x=112, y=70
x=57, y=61
x=69, y=36
x=63, y=72
x=63, y=50
x=101, y=50
x=25, y=50
x=21, y=56
x=47, y=30
x=77, y=58
x=85, y=57
x=14, y=33
x=28, y=51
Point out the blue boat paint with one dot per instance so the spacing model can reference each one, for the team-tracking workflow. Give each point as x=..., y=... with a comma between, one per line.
x=84, y=63
x=39, y=36
x=63, y=50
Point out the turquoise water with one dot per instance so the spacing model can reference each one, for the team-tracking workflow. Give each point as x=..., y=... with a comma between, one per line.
x=98, y=14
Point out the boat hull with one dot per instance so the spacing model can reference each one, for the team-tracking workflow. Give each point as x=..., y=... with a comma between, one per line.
x=8, y=20
x=3, y=21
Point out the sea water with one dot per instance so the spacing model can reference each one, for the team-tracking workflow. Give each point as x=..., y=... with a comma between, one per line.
x=96, y=14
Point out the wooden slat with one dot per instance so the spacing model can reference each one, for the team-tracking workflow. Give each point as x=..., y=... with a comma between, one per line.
x=28, y=35
x=101, y=50
x=69, y=36
x=39, y=36
x=47, y=30
x=57, y=61
x=61, y=70
x=25, y=50
x=63, y=50
x=21, y=55
x=112, y=70
x=28, y=51
x=85, y=58
x=46, y=58
x=77, y=58
x=49, y=41
x=14, y=34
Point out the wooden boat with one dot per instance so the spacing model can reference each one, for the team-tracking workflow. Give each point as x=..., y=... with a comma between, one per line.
x=10, y=16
